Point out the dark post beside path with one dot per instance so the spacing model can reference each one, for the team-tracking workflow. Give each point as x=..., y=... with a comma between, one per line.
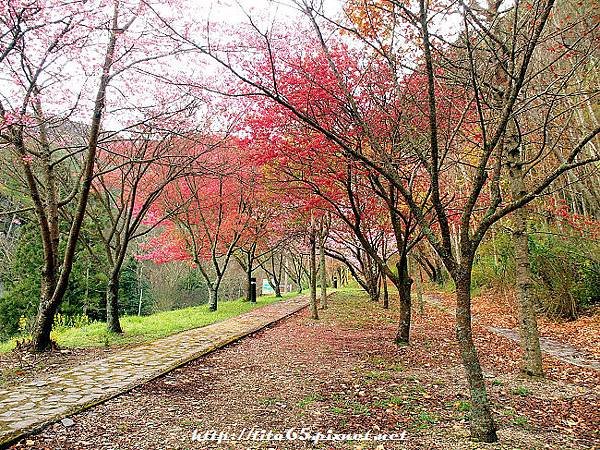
x=253, y=290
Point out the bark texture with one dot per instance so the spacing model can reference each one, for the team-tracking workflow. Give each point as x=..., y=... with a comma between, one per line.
x=528, y=329
x=313, y=274
x=112, y=304
x=482, y=423
x=212, y=299
x=386, y=294
x=404, y=289
x=322, y=269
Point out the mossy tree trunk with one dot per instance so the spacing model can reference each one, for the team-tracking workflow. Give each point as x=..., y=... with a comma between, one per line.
x=482, y=423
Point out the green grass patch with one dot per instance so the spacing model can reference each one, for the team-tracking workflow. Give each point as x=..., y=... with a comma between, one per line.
x=7, y=346
x=359, y=409
x=520, y=421
x=462, y=406
x=521, y=391
x=394, y=400
x=377, y=375
x=309, y=400
x=425, y=419
x=386, y=364
x=138, y=329
x=270, y=401
x=354, y=309
x=350, y=405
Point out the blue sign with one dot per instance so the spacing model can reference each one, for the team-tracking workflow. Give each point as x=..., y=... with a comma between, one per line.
x=266, y=287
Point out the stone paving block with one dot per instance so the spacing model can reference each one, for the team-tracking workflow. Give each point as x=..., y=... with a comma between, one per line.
x=30, y=406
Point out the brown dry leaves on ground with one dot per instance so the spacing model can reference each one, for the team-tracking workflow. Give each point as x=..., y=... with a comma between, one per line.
x=499, y=309
x=343, y=373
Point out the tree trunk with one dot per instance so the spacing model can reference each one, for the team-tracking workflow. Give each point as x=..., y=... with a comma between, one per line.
x=386, y=294
x=112, y=291
x=277, y=289
x=53, y=292
x=373, y=289
x=40, y=340
x=420, y=291
x=112, y=303
x=528, y=330
x=442, y=272
x=297, y=277
x=432, y=269
x=212, y=298
x=313, y=275
x=404, y=289
x=322, y=269
x=482, y=422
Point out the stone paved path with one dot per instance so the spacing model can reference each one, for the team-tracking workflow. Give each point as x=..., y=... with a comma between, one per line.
x=562, y=352
x=32, y=405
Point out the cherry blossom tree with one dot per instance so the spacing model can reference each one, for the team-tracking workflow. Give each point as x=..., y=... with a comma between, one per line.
x=210, y=213
x=131, y=176
x=73, y=72
x=441, y=110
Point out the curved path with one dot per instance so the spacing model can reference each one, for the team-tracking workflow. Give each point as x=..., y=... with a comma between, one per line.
x=31, y=406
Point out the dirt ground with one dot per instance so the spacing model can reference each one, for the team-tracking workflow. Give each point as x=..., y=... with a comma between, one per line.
x=344, y=374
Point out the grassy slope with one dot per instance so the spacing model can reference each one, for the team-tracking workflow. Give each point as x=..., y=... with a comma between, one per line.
x=147, y=328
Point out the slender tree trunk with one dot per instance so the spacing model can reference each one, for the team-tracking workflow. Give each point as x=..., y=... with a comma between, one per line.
x=322, y=269
x=48, y=216
x=253, y=290
x=386, y=294
x=53, y=293
x=482, y=423
x=403, y=332
x=112, y=292
x=212, y=298
x=420, y=291
x=274, y=274
x=141, y=288
x=528, y=329
x=438, y=273
x=313, y=274
x=277, y=269
x=296, y=274
x=112, y=303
